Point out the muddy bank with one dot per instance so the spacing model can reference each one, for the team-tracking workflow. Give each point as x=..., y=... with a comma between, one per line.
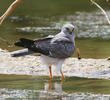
x=30, y=65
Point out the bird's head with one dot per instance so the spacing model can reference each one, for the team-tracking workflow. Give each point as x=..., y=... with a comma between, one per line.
x=68, y=29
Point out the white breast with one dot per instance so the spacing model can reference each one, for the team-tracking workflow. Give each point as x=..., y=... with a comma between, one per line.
x=49, y=61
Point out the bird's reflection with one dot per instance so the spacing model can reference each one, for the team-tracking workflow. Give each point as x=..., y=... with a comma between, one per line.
x=56, y=86
x=52, y=90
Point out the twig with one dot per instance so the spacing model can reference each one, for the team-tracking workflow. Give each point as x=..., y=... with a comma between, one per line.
x=9, y=10
x=108, y=58
x=101, y=10
x=78, y=53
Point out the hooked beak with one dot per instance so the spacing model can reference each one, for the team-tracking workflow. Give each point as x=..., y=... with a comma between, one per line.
x=72, y=30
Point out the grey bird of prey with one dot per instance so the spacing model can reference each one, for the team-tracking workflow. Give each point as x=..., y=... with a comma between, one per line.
x=53, y=49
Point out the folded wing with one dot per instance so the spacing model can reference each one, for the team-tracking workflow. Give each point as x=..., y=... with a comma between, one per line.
x=56, y=49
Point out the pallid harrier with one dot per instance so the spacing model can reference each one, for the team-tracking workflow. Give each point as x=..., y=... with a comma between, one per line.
x=54, y=49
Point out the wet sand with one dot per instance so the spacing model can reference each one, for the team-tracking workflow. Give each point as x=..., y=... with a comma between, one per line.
x=30, y=65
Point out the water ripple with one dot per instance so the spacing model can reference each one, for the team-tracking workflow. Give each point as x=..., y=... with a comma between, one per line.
x=42, y=94
x=89, y=24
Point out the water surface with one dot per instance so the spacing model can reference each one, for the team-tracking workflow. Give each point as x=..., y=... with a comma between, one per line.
x=15, y=87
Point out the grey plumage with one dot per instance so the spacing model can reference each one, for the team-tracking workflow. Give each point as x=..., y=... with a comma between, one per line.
x=60, y=46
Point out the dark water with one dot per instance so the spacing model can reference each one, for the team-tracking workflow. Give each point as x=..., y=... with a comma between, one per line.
x=14, y=87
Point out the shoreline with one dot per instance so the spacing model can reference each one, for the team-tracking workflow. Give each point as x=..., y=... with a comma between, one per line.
x=30, y=65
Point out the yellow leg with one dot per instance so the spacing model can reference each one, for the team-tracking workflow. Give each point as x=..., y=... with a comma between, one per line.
x=50, y=84
x=62, y=74
x=50, y=81
x=50, y=72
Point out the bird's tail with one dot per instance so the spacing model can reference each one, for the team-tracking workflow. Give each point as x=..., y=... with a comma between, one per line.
x=26, y=43
x=22, y=52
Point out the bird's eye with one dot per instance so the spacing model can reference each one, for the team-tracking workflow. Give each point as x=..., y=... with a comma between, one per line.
x=67, y=28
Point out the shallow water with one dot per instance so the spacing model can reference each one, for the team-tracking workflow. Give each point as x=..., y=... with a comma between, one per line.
x=15, y=87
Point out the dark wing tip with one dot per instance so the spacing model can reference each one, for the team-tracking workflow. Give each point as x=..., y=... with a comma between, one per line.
x=18, y=44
